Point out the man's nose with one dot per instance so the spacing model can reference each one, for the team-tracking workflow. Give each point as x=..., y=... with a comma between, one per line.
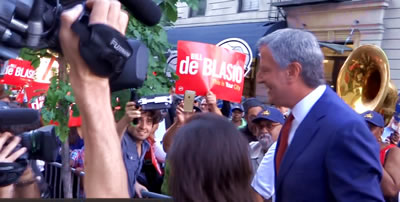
x=141, y=125
x=264, y=130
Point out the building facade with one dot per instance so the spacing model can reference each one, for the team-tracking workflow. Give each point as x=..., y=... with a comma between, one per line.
x=340, y=26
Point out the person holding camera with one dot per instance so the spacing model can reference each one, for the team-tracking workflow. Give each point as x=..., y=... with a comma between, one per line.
x=26, y=185
x=134, y=129
x=105, y=173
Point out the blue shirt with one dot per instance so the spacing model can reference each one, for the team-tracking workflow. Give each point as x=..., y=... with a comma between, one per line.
x=133, y=163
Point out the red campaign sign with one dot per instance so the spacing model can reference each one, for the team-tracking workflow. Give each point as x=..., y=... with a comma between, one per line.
x=204, y=67
x=36, y=89
x=18, y=72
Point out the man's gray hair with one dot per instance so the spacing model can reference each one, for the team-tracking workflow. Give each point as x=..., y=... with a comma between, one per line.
x=293, y=45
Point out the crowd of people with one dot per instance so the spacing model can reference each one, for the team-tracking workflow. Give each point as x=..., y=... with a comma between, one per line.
x=306, y=144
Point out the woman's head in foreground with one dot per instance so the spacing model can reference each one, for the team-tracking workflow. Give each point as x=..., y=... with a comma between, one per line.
x=209, y=161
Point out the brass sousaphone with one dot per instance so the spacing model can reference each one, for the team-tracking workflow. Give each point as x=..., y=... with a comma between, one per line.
x=364, y=82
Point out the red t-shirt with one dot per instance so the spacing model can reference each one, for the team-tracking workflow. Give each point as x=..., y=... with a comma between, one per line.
x=384, y=151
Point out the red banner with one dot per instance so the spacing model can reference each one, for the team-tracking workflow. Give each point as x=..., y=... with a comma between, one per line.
x=205, y=67
x=37, y=90
x=18, y=72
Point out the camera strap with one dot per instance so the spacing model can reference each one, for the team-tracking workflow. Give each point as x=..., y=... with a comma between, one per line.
x=11, y=172
x=102, y=47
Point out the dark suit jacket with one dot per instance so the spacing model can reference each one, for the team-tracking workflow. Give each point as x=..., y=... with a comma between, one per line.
x=333, y=157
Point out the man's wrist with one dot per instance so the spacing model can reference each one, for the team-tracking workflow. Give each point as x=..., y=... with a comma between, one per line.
x=26, y=175
x=27, y=178
x=23, y=183
x=125, y=121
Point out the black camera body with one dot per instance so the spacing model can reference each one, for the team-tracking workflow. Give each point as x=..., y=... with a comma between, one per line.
x=41, y=143
x=155, y=102
x=36, y=24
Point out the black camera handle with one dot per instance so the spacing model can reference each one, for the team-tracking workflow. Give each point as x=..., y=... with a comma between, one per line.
x=103, y=48
x=11, y=172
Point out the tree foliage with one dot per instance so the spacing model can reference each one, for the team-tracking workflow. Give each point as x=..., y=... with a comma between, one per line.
x=155, y=38
x=60, y=97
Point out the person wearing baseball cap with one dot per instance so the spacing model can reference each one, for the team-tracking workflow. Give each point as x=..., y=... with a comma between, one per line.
x=375, y=123
x=252, y=106
x=268, y=124
x=389, y=156
x=237, y=116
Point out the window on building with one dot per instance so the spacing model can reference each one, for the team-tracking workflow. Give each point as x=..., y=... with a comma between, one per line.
x=201, y=11
x=333, y=63
x=248, y=5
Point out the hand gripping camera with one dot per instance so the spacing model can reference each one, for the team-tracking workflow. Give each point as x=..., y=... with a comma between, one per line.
x=36, y=23
x=41, y=143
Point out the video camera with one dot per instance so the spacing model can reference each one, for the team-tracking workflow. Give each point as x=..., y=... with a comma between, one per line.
x=41, y=143
x=36, y=23
x=155, y=102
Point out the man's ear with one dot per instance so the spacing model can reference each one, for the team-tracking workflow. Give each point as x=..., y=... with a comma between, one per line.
x=294, y=71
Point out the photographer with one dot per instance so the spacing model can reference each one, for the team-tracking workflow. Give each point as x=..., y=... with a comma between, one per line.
x=134, y=129
x=26, y=186
x=105, y=173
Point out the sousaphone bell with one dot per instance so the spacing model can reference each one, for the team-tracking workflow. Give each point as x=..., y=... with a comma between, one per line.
x=364, y=82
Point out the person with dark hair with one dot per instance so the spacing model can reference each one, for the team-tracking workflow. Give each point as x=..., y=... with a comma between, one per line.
x=325, y=151
x=389, y=156
x=237, y=116
x=180, y=120
x=209, y=162
x=134, y=129
x=252, y=107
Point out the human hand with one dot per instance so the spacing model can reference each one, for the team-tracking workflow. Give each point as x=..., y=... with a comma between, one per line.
x=211, y=99
x=131, y=111
x=7, y=153
x=103, y=12
x=181, y=115
x=139, y=188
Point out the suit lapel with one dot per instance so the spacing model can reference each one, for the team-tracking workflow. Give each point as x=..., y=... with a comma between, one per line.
x=303, y=135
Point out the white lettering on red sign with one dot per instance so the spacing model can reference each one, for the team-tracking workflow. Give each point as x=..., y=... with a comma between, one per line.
x=20, y=72
x=228, y=72
x=38, y=102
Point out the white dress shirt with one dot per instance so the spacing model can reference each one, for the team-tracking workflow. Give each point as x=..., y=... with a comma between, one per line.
x=301, y=109
x=256, y=154
x=264, y=179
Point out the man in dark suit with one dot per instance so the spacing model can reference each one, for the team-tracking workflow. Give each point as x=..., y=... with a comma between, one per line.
x=325, y=151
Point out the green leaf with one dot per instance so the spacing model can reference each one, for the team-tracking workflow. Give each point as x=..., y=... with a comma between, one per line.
x=75, y=110
x=171, y=13
x=69, y=98
x=35, y=63
x=162, y=79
